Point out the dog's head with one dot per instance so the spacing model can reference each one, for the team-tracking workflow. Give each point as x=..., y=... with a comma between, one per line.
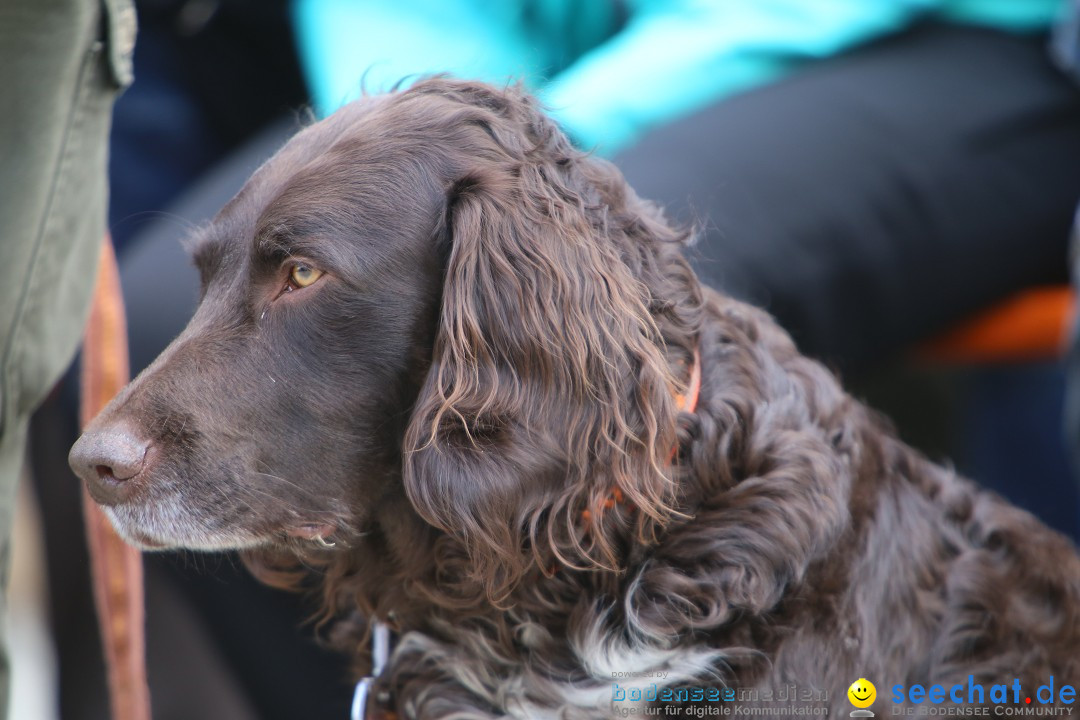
x=428, y=295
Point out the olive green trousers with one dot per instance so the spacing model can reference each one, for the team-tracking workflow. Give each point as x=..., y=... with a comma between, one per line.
x=62, y=63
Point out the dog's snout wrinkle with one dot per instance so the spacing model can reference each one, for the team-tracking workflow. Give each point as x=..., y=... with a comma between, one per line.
x=107, y=459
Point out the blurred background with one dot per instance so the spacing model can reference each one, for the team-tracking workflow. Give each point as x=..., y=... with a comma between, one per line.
x=896, y=181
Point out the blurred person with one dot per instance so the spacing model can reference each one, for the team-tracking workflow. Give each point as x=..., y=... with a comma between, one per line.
x=62, y=63
x=888, y=152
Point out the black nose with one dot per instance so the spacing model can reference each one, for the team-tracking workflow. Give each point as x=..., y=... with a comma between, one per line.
x=107, y=460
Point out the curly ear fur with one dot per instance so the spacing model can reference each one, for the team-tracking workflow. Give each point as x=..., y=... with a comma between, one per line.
x=549, y=386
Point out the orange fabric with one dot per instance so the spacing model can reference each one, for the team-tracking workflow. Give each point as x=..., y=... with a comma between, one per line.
x=1032, y=325
x=116, y=567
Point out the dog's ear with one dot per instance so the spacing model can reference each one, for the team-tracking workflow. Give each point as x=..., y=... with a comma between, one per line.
x=549, y=394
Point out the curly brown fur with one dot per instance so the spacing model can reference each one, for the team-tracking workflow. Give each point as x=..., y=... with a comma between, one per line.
x=493, y=349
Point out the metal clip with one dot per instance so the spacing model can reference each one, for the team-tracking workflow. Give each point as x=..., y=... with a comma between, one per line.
x=380, y=653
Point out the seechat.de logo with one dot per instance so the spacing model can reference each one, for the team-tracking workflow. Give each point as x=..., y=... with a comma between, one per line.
x=976, y=693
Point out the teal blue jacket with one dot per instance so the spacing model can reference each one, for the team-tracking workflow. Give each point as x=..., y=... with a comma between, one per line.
x=608, y=80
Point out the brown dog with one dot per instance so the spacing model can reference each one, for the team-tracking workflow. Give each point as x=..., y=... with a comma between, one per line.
x=438, y=355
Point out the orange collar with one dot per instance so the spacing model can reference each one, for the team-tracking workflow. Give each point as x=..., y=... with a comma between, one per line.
x=686, y=403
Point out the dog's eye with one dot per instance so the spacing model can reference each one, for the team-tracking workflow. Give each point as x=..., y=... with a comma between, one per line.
x=302, y=275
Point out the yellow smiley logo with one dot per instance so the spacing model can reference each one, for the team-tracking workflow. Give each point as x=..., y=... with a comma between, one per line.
x=862, y=693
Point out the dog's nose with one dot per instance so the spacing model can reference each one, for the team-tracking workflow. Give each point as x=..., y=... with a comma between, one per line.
x=107, y=460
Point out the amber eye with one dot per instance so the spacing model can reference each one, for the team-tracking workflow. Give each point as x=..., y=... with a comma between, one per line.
x=302, y=275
